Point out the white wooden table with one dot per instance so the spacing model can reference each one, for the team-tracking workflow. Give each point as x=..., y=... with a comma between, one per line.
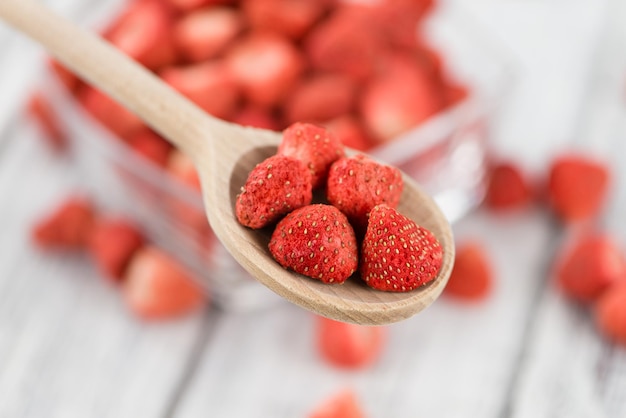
x=68, y=347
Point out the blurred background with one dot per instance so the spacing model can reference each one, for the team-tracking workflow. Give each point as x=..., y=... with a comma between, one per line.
x=149, y=317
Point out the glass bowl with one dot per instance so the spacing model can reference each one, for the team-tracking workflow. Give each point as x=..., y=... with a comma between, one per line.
x=447, y=155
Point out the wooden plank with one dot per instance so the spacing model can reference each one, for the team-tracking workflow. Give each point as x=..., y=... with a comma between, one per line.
x=68, y=345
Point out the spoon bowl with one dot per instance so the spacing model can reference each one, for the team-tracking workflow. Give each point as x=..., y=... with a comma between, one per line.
x=224, y=154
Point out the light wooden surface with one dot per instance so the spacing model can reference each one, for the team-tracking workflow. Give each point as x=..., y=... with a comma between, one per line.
x=68, y=347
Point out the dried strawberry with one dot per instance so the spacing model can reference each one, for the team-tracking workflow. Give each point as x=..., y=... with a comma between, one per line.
x=507, y=187
x=348, y=345
x=189, y=5
x=345, y=43
x=471, y=278
x=316, y=241
x=266, y=66
x=577, y=187
x=274, y=188
x=399, y=98
x=112, y=244
x=397, y=254
x=205, y=33
x=319, y=98
x=209, y=85
x=589, y=265
x=143, y=32
x=291, y=18
x=314, y=146
x=67, y=227
x=610, y=313
x=356, y=184
x=71, y=82
x=157, y=287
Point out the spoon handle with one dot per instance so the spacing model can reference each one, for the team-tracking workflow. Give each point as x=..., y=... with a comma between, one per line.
x=102, y=65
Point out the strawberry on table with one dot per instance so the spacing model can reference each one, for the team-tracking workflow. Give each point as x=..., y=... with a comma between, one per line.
x=586, y=267
x=190, y=5
x=349, y=346
x=471, y=278
x=507, y=187
x=397, y=254
x=316, y=241
x=275, y=187
x=343, y=404
x=67, y=227
x=356, y=184
x=265, y=66
x=314, y=146
x=156, y=286
x=257, y=117
x=112, y=244
x=205, y=33
x=209, y=85
x=577, y=186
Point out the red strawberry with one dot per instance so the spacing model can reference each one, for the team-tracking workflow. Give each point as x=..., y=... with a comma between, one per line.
x=316, y=241
x=350, y=132
x=357, y=184
x=266, y=66
x=41, y=110
x=292, y=18
x=610, y=313
x=157, y=287
x=343, y=404
x=314, y=146
x=150, y=145
x=143, y=33
x=347, y=345
x=209, y=85
x=507, y=187
x=345, y=43
x=274, y=188
x=114, y=116
x=67, y=227
x=399, y=98
x=112, y=244
x=205, y=33
x=577, y=187
x=397, y=254
x=471, y=277
x=589, y=265
x=319, y=98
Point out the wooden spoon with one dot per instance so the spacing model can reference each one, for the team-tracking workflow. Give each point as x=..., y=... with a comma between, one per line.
x=224, y=153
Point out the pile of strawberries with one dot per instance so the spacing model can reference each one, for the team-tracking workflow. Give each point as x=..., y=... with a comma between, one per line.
x=589, y=268
x=154, y=284
x=358, y=68
x=321, y=240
